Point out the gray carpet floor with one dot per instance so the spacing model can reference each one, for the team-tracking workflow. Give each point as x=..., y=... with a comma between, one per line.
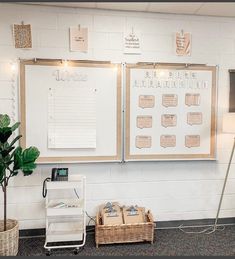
x=171, y=242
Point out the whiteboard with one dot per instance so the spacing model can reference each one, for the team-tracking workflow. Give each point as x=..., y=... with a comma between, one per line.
x=170, y=112
x=85, y=100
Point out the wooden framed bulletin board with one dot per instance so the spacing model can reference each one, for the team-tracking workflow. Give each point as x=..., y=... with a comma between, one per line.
x=170, y=112
x=71, y=112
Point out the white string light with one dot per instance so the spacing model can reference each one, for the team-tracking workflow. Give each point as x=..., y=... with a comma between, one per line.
x=13, y=67
x=66, y=63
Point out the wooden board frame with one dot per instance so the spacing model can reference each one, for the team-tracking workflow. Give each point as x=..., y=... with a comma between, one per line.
x=74, y=63
x=157, y=157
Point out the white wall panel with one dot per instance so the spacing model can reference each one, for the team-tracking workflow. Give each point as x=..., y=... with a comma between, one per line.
x=172, y=190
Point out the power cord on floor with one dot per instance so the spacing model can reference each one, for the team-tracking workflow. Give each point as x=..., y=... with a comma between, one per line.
x=211, y=230
x=90, y=217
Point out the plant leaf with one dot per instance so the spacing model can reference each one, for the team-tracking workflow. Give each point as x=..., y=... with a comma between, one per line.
x=28, y=167
x=30, y=154
x=25, y=160
x=4, y=120
x=5, y=133
x=18, y=161
x=26, y=172
x=2, y=169
x=14, y=140
x=14, y=173
x=15, y=126
x=7, y=151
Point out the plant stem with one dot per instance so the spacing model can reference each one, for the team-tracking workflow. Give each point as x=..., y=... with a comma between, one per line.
x=5, y=203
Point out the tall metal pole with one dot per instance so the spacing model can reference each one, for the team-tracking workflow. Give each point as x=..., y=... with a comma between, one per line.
x=225, y=181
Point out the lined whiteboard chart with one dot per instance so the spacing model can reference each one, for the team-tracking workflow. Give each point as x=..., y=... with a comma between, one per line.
x=71, y=117
x=170, y=112
x=71, y=113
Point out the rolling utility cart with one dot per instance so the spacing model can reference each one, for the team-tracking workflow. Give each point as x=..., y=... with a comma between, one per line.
x=65, y=214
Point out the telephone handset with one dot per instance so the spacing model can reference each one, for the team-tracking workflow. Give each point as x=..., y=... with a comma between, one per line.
x=59, y=174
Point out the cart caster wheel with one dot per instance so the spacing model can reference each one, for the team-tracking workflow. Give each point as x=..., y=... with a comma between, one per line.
x=76, y=251
x=48, y=253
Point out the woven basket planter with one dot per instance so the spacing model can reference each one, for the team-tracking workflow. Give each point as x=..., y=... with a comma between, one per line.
x=9, y=239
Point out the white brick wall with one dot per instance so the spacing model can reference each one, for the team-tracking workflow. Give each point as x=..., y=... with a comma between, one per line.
x=172, y=190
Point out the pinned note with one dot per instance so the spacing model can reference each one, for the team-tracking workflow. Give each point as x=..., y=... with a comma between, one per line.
x=78, y=39
x=192, y=99
x=168, y=120
x=146, y=101
x=143, y=141
x=183, y=43
x=144, y=122
x=169, y=100
x=194, y=118
x=192, y=141
x=168, y=141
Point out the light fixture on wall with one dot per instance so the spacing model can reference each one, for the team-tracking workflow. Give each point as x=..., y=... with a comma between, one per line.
x=13, y=66
x=66, y=63
x=228, y=127
x=115, y=67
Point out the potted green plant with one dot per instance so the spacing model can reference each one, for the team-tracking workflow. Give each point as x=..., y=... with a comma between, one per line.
x=12, y=160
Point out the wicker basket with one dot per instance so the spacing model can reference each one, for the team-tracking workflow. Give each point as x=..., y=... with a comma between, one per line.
x=9, y=239
x=124, y=233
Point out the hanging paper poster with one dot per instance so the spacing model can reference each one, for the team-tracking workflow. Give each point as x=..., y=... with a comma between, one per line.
x=183, y=43
x=132, y=42
x=22, y=36
x=78, y=39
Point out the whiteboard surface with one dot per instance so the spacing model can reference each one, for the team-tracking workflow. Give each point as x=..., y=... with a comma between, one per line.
x=154, y=84
x=38, y=80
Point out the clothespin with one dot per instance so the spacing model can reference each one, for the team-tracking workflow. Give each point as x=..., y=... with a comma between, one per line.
x=182, y=33
x=22, y=22
x=35, y=60
x=79, y=27
x=132, y=30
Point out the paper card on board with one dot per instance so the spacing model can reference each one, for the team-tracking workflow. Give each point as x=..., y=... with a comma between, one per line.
x=144, y=121
x=143, y=141
x=146, y=101
x=192, y=99
x=168, y=141
x=168, y=120
x=78, y=39
x=194, y=118
x=192, y=141
x=169, y=100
